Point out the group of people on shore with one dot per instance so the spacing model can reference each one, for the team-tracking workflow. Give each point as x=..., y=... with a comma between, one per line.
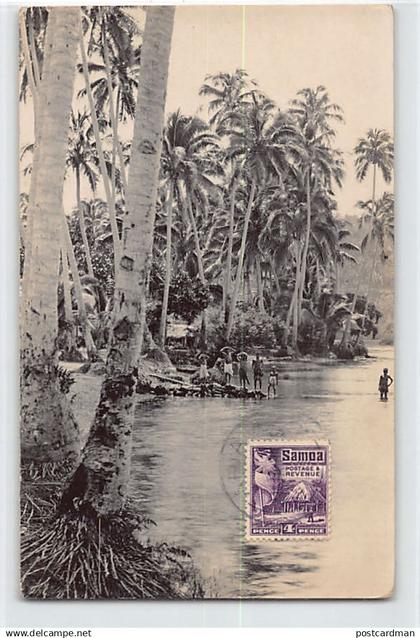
x=225, y=365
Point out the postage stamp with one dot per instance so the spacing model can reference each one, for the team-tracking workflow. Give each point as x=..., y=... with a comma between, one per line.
x=288, y=489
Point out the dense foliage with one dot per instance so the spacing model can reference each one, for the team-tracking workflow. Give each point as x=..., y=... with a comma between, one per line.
x=247, y=219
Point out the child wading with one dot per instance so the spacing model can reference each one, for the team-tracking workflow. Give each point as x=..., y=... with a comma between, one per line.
x=258, y=373
x=273, y=381
x=385, y=381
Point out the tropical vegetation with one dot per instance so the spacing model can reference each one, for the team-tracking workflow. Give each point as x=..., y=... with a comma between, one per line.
x=227, y=223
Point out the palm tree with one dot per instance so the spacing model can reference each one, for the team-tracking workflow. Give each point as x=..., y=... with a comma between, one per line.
x=315, y=113
x=109, y=189
x=261, y=141
x=343, y=252
x=321, y=164
x=120, y=59
x=379, y=217
x=81, y=158
x=188, y=164
x=376, y=150
x=67, y=252
x=49, y=432
x=115, y=81
x=106, y=457
x=228, y=93
x=254, y=254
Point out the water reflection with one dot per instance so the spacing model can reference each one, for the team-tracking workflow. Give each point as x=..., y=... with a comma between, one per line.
x=188, y=472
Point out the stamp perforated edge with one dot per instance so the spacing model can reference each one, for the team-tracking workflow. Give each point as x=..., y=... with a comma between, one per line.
x=277, y=442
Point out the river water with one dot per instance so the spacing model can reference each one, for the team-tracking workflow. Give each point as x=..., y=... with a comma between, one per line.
x=188, y=473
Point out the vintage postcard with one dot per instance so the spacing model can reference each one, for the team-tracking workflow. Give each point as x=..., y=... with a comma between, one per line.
x=206, y=301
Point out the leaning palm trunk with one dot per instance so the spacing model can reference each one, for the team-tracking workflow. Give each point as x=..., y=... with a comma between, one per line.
x=260, y=289
x=101, y=156
x=68, y=310
x=78, y=292
x=289, y=318
x=168, y=269
x=82, y=225
x=302, y=276
x=113, y=114
x=49, y=432
x=100, y=483
x=346, y=333
x=294, y=306
x=240, y=260
x=347, y=325
x=200, y=266
x=69, y=327
x=371, y=274
x=228, y=274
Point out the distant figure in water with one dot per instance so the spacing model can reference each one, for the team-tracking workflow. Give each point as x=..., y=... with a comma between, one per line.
x=385, y=381
x=228, y=368
x=243, y=370
x=273, y=381
x=258, y=372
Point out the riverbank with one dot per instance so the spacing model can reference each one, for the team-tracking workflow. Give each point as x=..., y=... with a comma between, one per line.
x=84, y=392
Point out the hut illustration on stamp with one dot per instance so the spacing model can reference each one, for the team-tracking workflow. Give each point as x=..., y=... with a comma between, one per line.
x=288, y=489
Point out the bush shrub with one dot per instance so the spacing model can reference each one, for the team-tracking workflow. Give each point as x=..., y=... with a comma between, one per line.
x=251, y=329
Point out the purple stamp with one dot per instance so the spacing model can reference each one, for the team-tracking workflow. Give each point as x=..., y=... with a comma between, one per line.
x=288, y=489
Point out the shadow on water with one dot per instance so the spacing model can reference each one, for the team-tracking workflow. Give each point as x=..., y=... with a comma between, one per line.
x=188, y=471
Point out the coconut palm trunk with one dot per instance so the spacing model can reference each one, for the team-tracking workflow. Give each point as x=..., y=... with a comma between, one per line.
x=198, y=251
x=260, y=289
x=289, y=319
x=228, y=273
x=168, y=266
x=241, y=259
x=38, y=97
x=369, y=284
x=69, y=329
x=101, y=481
x=101, y=156
x=200, y=266
x=68, y=310
x=78, y=291
x=113, y=114
x=347, y=327
x=294, y=305
x=82, y=225
x=302, y=275
x=49, y=432
x=374, y=252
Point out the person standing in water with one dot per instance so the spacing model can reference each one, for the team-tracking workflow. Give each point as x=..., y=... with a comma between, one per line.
x=243, y=370
x=203, y=372
x=273, y=381
x=385, y=381
x=258, y=372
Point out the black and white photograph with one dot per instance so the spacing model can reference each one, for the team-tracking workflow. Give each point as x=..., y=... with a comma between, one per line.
x=207, y=373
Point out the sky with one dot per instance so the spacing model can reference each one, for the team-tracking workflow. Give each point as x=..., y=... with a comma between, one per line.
x=348, y=49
